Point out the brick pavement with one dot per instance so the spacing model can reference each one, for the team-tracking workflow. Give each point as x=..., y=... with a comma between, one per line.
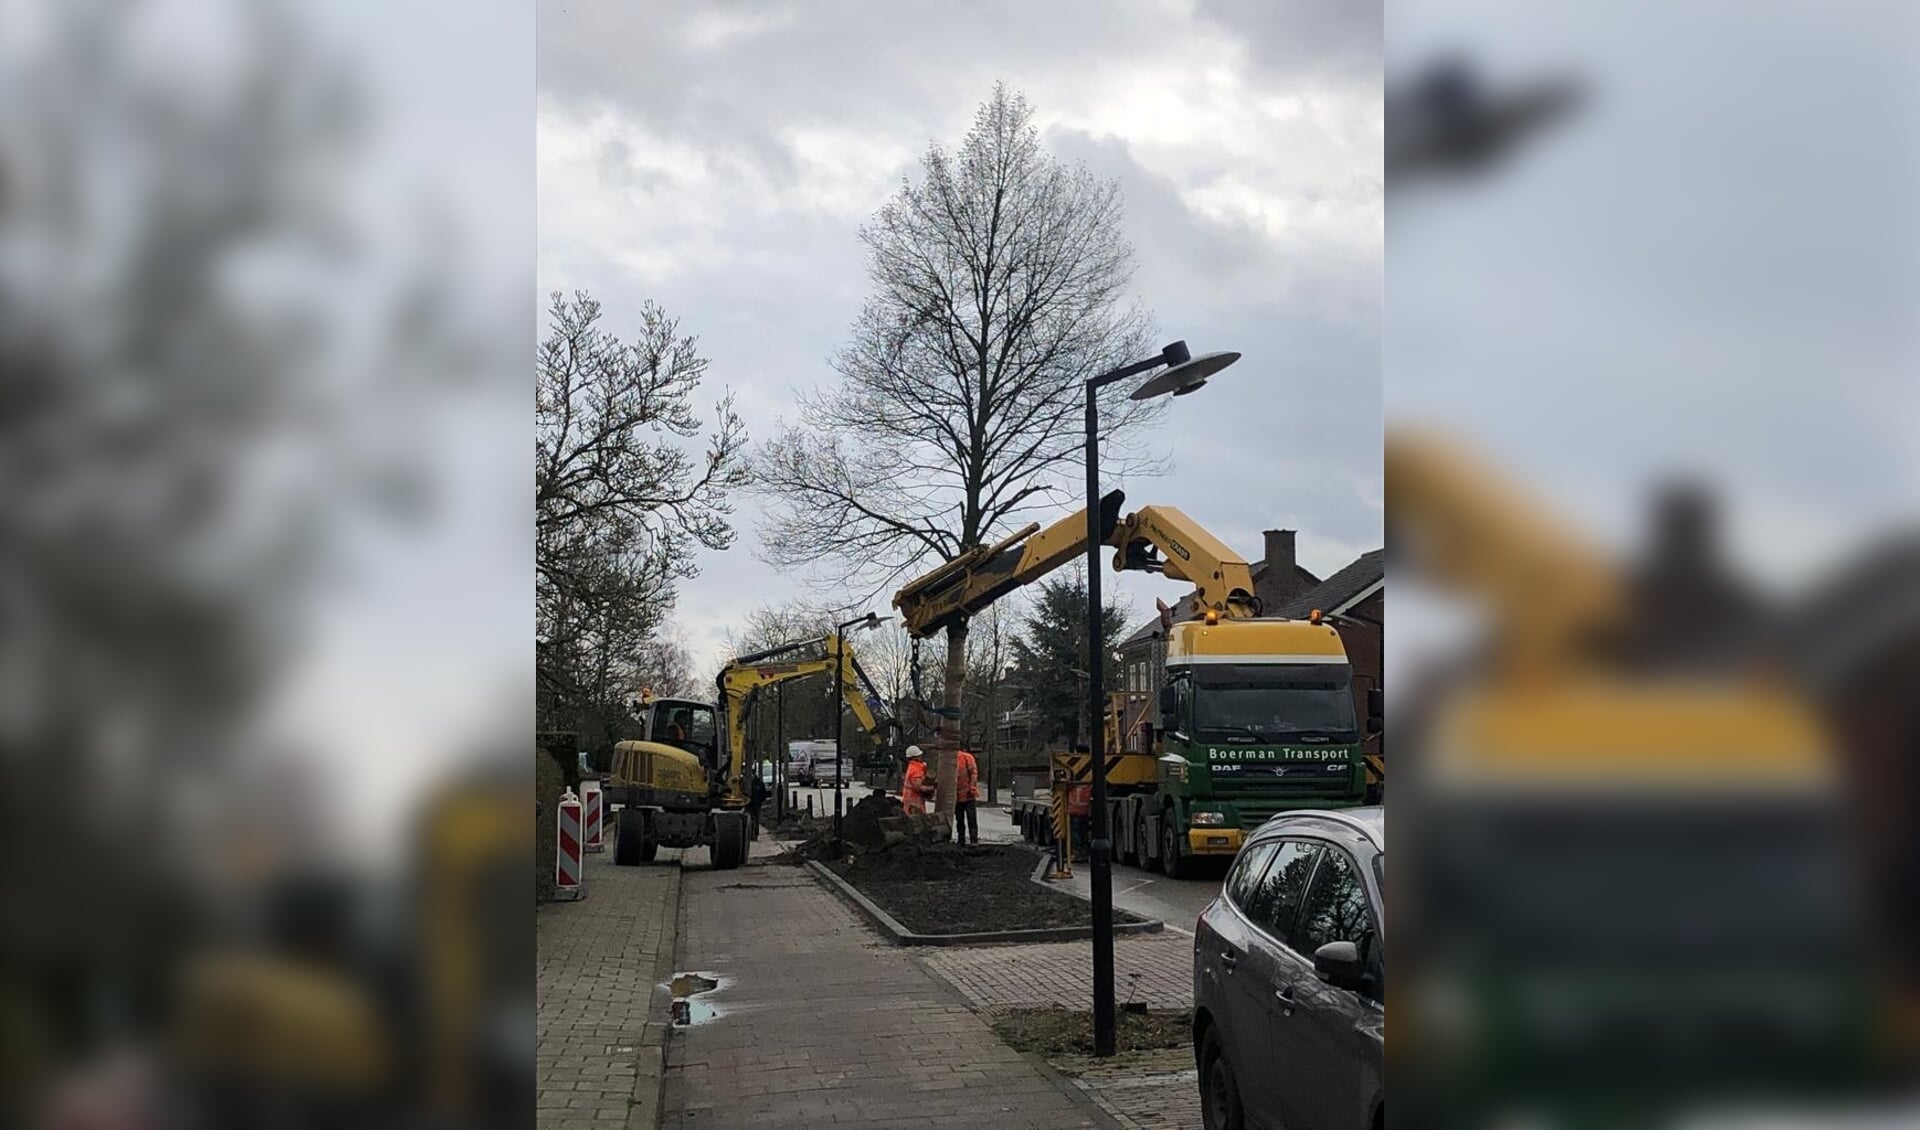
x=601, y=1027
x=1155, y=968
x=819, y=1023
x=1157, y=1090
x=1141, y=1091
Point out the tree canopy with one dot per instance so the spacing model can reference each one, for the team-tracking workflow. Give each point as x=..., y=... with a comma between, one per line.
x=1050, y=655
x=1000, y=283
x=621, y=506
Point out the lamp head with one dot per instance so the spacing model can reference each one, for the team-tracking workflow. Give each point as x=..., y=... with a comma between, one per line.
x=1184, y=376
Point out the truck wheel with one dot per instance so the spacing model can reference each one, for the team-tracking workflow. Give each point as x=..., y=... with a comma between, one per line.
x=1171, y=865
x=729, y=840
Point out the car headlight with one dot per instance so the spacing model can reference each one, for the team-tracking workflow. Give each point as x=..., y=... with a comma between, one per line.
x=1208, y=819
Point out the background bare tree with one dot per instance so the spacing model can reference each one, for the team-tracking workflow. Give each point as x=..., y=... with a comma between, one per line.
x=1000, y=278
x=620, y=503
x=665, y=666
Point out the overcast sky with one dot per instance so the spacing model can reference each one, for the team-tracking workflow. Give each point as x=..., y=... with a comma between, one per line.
x=719, y=159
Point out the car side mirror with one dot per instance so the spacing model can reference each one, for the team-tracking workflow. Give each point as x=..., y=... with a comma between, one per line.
x=1376, y=710
x=1338, y=964
x=1169, y=705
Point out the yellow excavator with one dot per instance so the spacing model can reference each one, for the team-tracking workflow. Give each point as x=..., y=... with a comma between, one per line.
x=684, y=782
x=1633, y=892
x=1256, y=716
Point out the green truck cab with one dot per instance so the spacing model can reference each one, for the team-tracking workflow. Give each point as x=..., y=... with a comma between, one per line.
x=1256, y=717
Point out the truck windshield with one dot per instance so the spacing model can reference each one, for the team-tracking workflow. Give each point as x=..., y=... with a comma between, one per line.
x=1275, y=700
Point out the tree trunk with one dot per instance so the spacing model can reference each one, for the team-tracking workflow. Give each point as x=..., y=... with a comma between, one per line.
x=953, y=697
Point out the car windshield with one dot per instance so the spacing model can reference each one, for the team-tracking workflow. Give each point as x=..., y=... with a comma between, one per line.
x=1275, y=700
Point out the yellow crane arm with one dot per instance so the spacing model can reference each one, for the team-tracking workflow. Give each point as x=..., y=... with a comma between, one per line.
x=1161, y=539
x=1156, y=539
x=1464, y=528
x=970, y=582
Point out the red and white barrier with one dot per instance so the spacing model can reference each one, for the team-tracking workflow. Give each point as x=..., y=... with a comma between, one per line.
x=567, y=877
x=591, y=804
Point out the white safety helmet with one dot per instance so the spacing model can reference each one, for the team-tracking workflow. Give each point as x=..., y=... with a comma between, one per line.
x=913, y=751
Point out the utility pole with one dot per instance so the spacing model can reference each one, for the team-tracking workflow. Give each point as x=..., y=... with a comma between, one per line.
x=780, y=750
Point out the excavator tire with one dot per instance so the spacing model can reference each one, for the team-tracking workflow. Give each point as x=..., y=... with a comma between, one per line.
x=729, y=840
x=631, y=843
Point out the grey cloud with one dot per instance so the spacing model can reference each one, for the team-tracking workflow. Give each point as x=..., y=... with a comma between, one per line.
x=1290, y=437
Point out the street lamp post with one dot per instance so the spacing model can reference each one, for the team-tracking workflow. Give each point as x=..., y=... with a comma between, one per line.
x=866, y=624
x=1183, y=374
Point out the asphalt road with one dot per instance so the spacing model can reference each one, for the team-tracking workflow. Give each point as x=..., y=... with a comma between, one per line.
x=1177, y=902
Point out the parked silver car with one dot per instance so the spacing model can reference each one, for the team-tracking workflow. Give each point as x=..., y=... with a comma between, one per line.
x=1289, y=978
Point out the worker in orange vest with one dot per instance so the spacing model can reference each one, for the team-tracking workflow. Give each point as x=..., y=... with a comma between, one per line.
x=1079, y=813
x=966, y=788
x=915, y=789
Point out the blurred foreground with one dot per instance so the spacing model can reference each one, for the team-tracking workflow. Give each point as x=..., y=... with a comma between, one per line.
x=1652, y=279
x=262, y=320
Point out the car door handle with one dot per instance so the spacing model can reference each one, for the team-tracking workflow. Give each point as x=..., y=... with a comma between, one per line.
x=1284, y=994
x=1229, y=959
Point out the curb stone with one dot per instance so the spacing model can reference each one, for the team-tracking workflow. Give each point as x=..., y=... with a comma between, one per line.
x=890, y=927
x=650, y=1082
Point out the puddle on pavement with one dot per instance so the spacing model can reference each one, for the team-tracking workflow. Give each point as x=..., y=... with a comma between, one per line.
x=685, y=987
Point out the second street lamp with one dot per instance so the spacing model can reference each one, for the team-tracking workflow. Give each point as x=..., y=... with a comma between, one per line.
x=865, y=624
x=1184, y=373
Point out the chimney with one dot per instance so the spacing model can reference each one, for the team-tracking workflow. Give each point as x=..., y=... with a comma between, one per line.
x=1280, y=561
x=1684, y=525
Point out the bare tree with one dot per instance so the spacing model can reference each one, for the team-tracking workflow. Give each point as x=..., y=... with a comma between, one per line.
x=620, y=504
x=1000, y=278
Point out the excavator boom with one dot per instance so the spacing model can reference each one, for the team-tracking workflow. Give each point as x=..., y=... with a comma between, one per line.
x=746, y=676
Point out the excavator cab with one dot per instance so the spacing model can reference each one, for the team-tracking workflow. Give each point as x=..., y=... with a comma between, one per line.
x=685, y=725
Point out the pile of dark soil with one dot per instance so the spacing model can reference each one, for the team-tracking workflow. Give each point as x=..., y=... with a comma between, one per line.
x=946, y=888
x=875, y=825
x=797, y=826
x=1061, y=1031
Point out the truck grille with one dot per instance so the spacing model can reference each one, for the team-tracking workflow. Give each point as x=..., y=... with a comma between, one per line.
x=1256, y=811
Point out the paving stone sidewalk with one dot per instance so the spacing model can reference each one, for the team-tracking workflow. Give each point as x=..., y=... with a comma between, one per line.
x=1155, y=968
x=817, y=1023
x=1157, y=1090
x=601, y=1026
x=1141, y=1091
